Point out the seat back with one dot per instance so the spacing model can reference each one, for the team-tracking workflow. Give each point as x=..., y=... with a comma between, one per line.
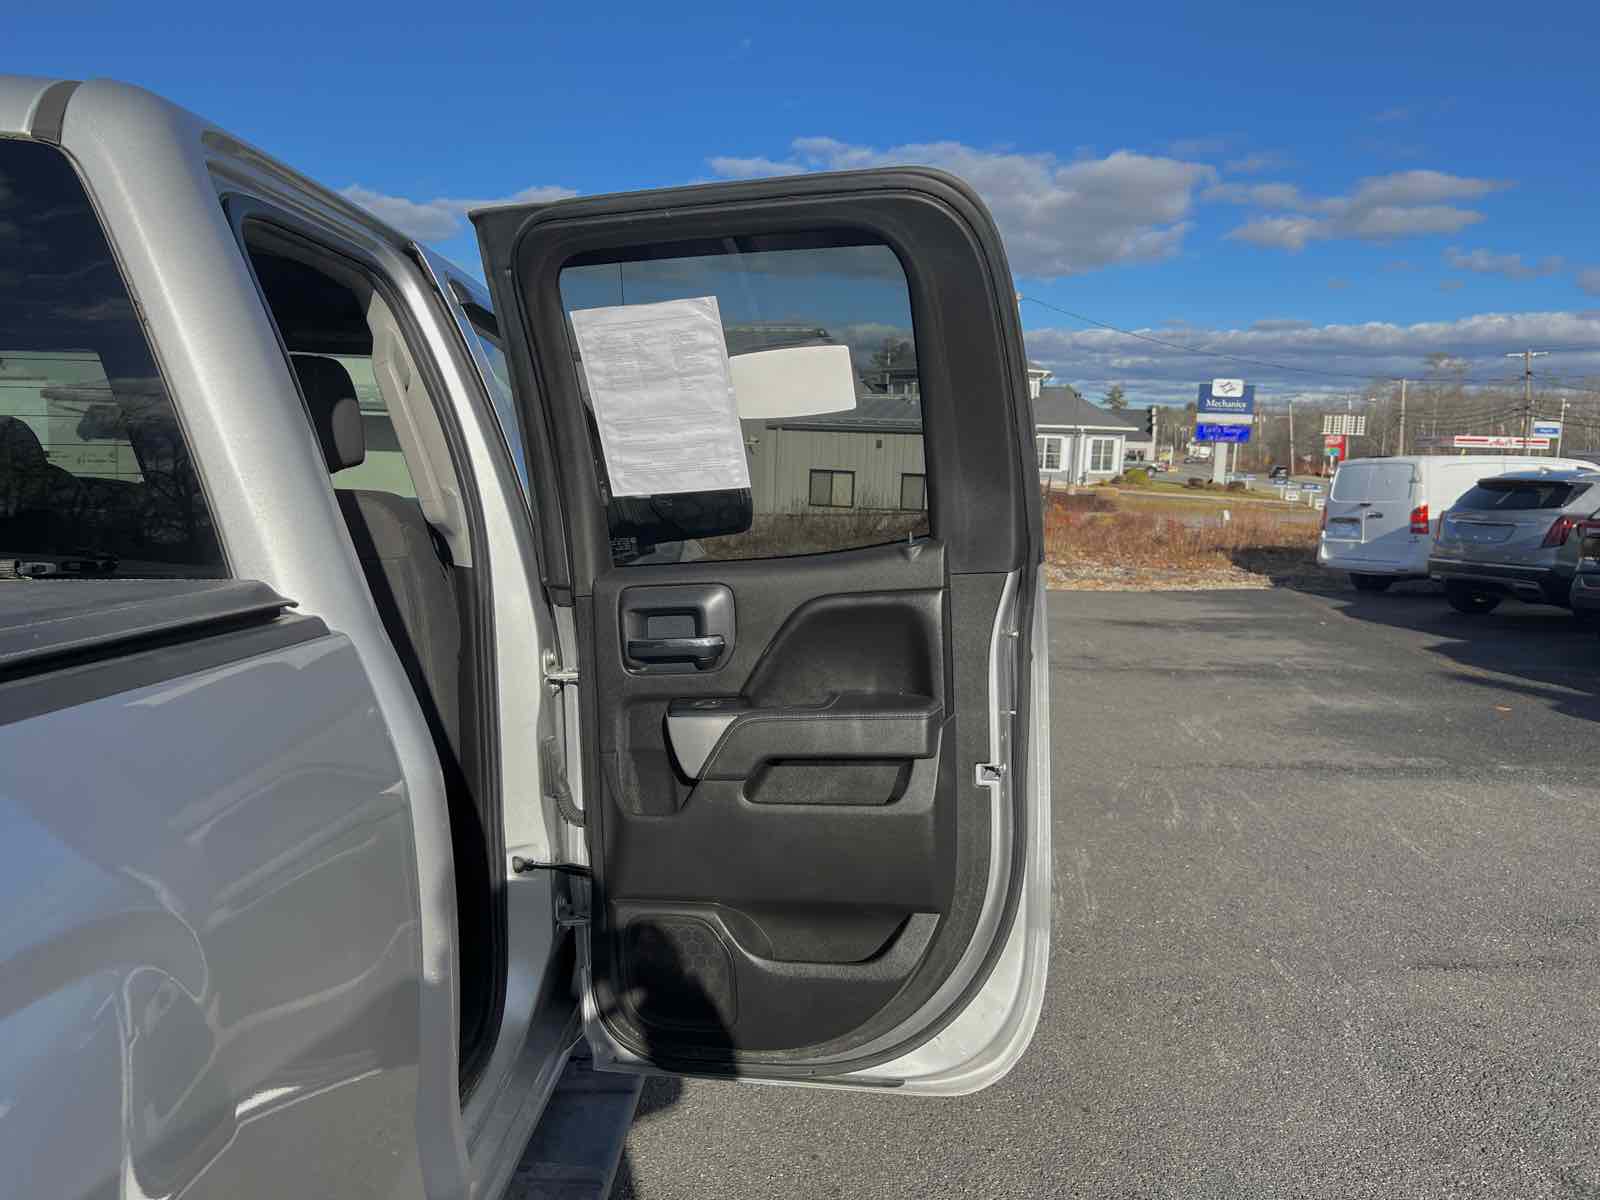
x=406, y=566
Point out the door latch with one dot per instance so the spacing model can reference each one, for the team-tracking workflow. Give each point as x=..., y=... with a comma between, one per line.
x=556, y=676
x=572, y=909
x=990, y=773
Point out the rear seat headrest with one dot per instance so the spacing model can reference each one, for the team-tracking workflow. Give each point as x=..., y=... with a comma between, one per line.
x=20, y=449
x=331, y=396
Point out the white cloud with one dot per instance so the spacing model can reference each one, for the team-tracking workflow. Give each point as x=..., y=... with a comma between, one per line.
x=1511, y=266
x=1282, y=233
x=1331, y=359
x=752, y=168
x=1379, y=208
x=441, y=218
x=1421, y=187
x=1412, y=112
x=1389, y=221
x=1197, y=147
x=1058, y=217
x=1255, y=163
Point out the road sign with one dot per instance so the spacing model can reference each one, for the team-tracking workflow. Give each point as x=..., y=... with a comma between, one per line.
x=1207, y=431
x=1354, y=424
x=1230, y=407
x=1497, y=441
x=1549, y=429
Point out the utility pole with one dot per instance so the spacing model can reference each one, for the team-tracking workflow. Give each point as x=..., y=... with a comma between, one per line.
x=1557, y=451
x=1527, y=357
x=1293, y=462
x=1402, y=448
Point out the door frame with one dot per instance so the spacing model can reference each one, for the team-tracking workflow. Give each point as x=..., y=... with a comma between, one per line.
x=964, y=334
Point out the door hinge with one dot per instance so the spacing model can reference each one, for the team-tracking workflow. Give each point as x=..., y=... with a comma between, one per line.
x=556, y=676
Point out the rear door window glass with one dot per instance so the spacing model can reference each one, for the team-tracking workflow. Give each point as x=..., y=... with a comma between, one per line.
x=821, y=478
x=1373, y=481
x=1520, y=496
x=96, y=478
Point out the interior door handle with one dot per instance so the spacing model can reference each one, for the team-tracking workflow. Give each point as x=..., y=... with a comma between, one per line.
x=1370, y=515
x=701, y=651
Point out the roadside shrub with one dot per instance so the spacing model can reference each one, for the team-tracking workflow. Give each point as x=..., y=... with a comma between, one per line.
x=1195, y=482
x=1080, y=502
x=1138, y=477
x=1116, y=480
x=1238, y=485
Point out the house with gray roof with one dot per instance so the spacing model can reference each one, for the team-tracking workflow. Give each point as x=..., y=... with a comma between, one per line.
x=1079, y=442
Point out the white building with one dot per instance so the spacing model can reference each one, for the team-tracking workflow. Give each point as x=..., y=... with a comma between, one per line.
x=868, y=458
x=1079, y=442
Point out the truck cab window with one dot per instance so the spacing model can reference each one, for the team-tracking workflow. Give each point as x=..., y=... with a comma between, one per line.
x=96, y=477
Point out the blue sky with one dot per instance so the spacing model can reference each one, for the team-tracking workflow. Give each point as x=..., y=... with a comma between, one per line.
x=1344, y=191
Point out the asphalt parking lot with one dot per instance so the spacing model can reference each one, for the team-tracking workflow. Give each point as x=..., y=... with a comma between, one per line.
x=1326, y=925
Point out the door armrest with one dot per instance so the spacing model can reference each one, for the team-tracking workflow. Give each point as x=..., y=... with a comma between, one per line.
x=730, y=739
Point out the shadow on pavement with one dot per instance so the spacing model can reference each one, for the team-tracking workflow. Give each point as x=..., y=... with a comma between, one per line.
x=672, y=1007
x=659, y=1094
x=1553, y=656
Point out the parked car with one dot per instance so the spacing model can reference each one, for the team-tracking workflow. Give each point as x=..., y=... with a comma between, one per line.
x=1279, y=473
x=315, y=870
x=1584, y=596
x=1382, y=513
x=1512, y=535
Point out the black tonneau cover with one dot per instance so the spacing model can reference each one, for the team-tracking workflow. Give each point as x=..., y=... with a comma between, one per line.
x=45, y=621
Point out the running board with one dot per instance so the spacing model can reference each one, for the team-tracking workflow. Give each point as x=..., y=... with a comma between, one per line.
x=575, y=1149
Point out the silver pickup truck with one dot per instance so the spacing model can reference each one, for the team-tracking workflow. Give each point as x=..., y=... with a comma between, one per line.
x=376, y=747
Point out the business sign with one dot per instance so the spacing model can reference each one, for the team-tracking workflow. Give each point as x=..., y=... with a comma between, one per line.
x=1235, y=404
x=1228, y=431
x=1333, y=439
x=1549, y=429
x=1349, y=424
x=1496, y=441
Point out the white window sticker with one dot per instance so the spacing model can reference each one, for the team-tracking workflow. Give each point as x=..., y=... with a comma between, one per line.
x=662, y=396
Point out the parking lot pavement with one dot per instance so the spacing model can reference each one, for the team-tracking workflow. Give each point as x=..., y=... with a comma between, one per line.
x=1326, y=925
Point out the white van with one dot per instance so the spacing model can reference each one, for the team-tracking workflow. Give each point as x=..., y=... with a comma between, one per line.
x=1382, y=514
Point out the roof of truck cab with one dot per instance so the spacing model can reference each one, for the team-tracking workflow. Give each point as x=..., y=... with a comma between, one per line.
x=19, y=96
x=29, y=103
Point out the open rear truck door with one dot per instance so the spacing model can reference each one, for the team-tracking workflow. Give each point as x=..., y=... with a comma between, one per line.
x=812, y=693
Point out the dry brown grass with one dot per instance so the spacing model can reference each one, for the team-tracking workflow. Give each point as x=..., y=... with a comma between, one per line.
x=1187, y=542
